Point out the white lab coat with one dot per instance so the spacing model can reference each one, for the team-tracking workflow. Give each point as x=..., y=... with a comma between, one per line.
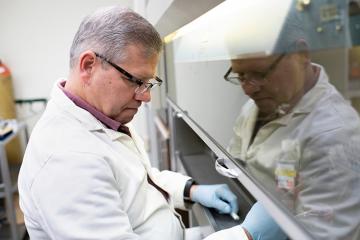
x=81, y=180
x=319, y=142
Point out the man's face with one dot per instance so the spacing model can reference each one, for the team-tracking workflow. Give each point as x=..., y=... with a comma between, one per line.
x=114, y=95
x=283, y=84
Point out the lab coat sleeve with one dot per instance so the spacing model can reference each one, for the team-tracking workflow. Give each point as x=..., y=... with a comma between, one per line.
x=173, y=183
x=328, y=204
x=234, y=233
x=77, y=198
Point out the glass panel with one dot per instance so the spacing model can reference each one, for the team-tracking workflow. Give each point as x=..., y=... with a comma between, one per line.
x=290, y=119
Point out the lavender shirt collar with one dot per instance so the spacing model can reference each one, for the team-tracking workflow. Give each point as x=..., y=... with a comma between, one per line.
x=114, y=125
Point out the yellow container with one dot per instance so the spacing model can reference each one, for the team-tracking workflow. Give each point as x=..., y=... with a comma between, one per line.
x=8, y=111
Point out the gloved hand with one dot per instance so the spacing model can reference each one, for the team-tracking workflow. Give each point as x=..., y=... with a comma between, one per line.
x=217, y=196
x=261, y=226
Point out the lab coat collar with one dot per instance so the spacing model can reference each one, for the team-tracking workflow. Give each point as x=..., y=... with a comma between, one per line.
x=114, y=135
x=115, y=125
x=87, y=120
x=312, y=97
x=307, y=102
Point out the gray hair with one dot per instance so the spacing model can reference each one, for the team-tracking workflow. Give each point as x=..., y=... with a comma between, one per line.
x=109, y=31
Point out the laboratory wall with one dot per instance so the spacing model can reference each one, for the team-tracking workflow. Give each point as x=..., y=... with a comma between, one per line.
x=35, y=38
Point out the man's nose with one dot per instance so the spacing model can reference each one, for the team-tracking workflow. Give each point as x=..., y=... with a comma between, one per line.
x=250, y=87
x=144, y=97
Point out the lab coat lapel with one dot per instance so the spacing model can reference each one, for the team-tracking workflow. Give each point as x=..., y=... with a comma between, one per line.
x=140, y=146
x=61, y=101
x=245, y=132
x=131, y=145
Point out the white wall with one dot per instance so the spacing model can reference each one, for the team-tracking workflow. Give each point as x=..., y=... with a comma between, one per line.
x=152, y=10
x=35, y=38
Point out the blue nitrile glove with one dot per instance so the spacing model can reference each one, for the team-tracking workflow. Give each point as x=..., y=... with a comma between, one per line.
x=261, y=226
x=217, y=196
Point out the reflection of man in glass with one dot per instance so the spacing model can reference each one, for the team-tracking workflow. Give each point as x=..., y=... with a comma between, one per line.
x=300, y=138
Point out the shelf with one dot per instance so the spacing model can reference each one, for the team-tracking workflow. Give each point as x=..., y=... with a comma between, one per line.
x=13, y=227
x=5, y=231
x=353, y=93
x=353, y=88
x=14, y=171
x=16, y=129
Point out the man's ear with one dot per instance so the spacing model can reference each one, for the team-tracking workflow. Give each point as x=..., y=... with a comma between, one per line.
x=302, y=49
x=87, y=61
x=301, y=45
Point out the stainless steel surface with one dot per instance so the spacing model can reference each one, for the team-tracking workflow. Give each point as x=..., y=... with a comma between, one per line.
x=172, y=139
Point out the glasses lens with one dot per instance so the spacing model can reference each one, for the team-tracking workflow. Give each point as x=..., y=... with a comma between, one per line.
x=147, y=86
x=254, y=77
x=234, y=80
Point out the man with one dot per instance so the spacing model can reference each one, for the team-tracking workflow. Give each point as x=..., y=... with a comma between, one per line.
x=85, y=173
x=299, y=137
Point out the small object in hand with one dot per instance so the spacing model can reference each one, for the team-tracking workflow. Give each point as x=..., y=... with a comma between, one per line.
x=235, y=216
